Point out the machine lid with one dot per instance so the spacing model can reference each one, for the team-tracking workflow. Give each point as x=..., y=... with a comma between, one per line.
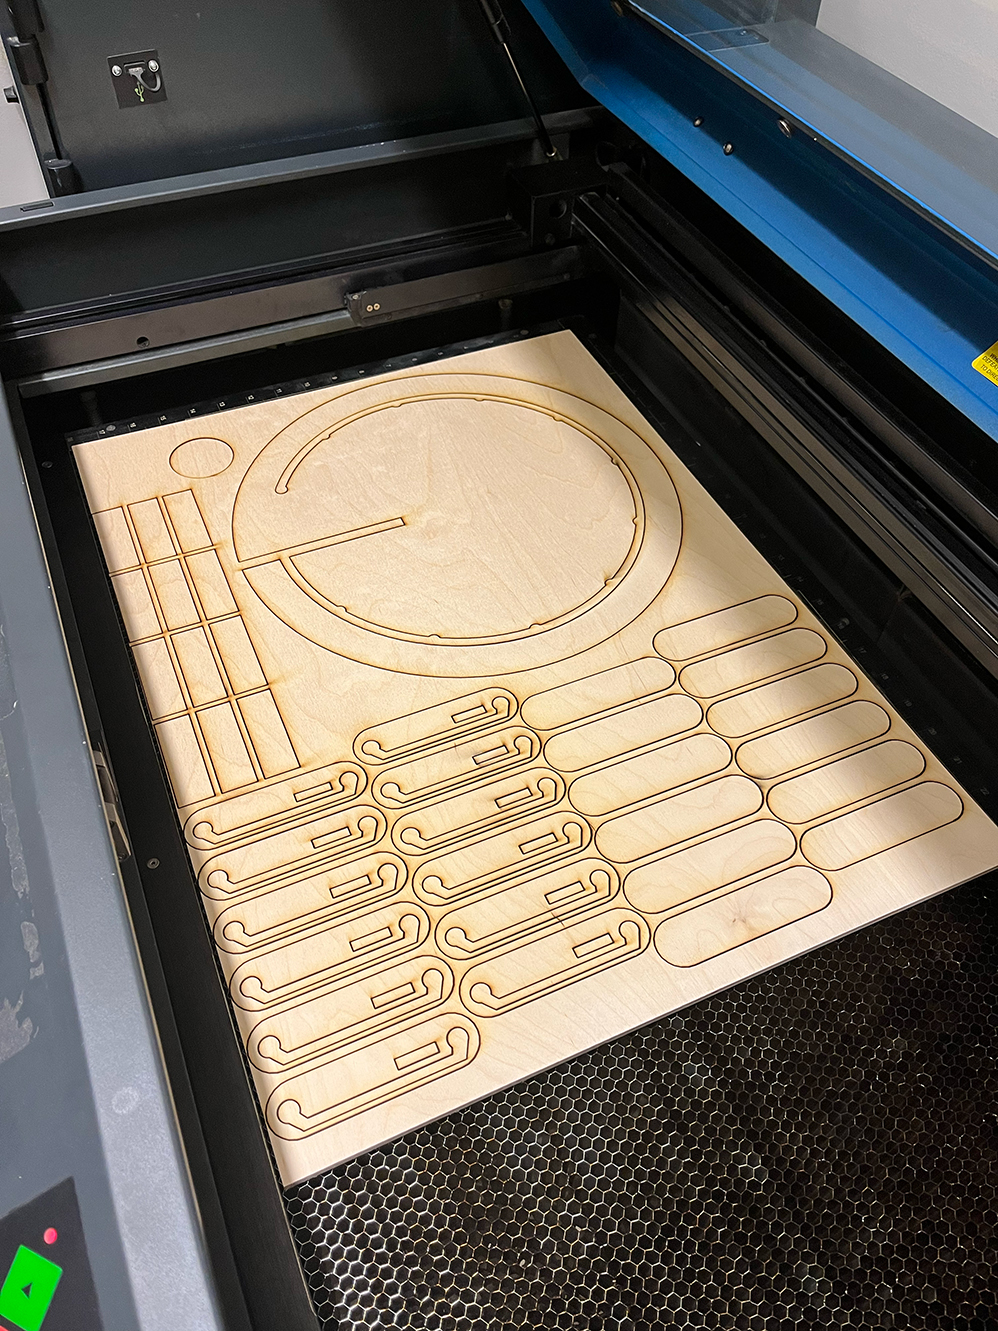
x=904, y=91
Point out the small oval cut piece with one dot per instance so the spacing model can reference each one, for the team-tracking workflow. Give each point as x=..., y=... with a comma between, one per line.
x=198, y=458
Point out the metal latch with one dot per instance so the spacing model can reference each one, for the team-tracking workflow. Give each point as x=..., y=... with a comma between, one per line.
x=112, y=806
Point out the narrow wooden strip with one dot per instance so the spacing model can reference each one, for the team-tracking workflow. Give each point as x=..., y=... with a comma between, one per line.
x=159, y=678
x=184, y=761
x=116, y=540
x=154, y=536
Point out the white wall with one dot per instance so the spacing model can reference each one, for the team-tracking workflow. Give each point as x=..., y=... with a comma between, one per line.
x=21, y=179
x=946, y=48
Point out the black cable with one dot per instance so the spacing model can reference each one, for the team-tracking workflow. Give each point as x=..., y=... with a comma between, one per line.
x=496, y=20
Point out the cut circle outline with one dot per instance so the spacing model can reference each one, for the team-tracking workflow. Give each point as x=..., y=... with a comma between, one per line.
x=282, y=586
x=197, y=459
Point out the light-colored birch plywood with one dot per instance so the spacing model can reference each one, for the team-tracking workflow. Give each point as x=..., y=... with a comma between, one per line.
x=491, y=736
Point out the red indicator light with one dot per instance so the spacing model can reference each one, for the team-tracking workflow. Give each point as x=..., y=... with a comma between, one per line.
x=50, y=1235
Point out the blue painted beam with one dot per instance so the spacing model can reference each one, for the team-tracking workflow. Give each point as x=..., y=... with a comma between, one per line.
x=917, y=290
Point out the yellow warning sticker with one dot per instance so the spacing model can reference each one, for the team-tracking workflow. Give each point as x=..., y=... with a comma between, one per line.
x=987, y=363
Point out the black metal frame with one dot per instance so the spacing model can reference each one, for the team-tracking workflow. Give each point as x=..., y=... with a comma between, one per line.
x=318, y=74
x=766, y=401
x=917, y=505
x=226, y=1149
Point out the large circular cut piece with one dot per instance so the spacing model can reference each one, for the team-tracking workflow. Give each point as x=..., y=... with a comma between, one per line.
x=443, y=520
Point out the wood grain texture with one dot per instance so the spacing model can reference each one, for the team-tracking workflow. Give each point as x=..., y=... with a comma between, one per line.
x=490, y=735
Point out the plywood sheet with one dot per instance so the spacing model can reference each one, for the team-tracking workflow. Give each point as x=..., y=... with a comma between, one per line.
x=491, y=736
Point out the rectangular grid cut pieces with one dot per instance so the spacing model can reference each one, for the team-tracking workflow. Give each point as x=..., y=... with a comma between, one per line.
x=492, y=737
x=215, y=717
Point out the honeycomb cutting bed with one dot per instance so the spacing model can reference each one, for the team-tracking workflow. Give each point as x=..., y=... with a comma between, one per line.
x=492, y=737
x=814, y=1148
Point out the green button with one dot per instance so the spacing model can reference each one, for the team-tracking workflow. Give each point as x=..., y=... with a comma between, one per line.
x=27, y=1293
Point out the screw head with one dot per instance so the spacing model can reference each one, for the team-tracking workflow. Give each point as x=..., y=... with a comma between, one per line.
x=153, y=66
x=729, y=148
x=116, y=71
x=698, y=122
x=152, y=864
x=786, y=128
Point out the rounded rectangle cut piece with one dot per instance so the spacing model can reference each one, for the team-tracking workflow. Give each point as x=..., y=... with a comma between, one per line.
x=784, y=699
x=667, y=822
x=723, y=628
x=742, y=666
x=649, y=774
x=741, y=916
x=598, y=693
x=879, y=827
x=812, y=741
x=803, y=799
x=709, y=865
x=643, y=724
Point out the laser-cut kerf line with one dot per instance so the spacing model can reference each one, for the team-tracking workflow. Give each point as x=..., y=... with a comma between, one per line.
x=323, y=543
